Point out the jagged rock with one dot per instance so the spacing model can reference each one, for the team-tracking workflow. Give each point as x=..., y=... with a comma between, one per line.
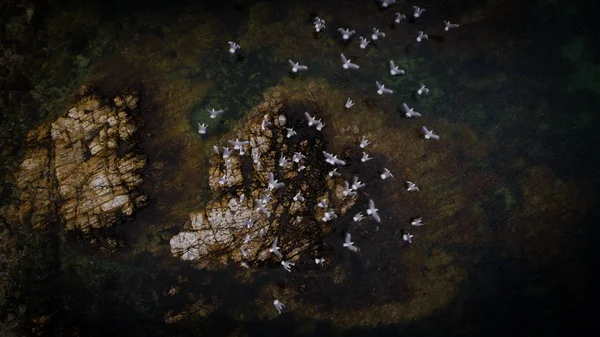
x=217, y=233
x=80, y=169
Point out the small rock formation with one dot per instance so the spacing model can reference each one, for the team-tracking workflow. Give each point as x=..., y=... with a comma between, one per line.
x=221, y=233
x=81, y=170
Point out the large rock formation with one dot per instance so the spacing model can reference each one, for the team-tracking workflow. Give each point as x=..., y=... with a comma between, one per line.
x=221, y=231
x=81, y=169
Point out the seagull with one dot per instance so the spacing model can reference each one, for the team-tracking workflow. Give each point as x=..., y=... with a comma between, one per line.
x=283, y=161
x=333, y=160
x=275, y=249
x=297, y=157
x=319, y=261
x=410, y=112
x=319, y=24
x=349, y=103
x=364, y=142
x=278, y=305
x=417, y=222
x=216, y=149
x=330, y=214
x=290, y=133
x=322, y=203
x=273, y=184
x=256, y=160
x=245, y=265
x=346, y=33
x=428, y=134
x=202, y=128
x=347, y=64
x=237, y=144
x=422, y=36
x=301, y=167
x=423, y=90
x=214, y=113
x=365, y=157
x=233, y=47
x=299, y=197
x=311, y=120
x=265, y=123
x=244, y=254
x=407, y=237
x=386, y=3
x=381, y=89
x=249, y=224
x=363, y=42
x=349, y=244
x=377, y=34
x=386, y=174
x=395, y=70
x=418, y=11
x=226, y=153
x=356, y=184
x=261, y=207
x=333, y=172
x=399, y=17
x=372, y=211
x=320, y=125
x=287, y=265
x=411, y=186
x=296, y=66
x=449, y=25
x=359, y=216
x=347, y=190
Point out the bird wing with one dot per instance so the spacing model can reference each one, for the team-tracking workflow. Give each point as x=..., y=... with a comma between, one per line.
x=387, y=91
x=301, y=67
x=406, y=108
x=378, y=84
x=418, y=114
x=346, y=185
x=291, y=63
x=392, y=65
x=353, y=66
x=348, y=237
x=371, y=204
x=375, y=216
x=425, y=129
x=344, y=59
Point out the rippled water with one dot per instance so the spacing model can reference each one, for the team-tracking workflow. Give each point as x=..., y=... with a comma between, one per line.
x=516, y=84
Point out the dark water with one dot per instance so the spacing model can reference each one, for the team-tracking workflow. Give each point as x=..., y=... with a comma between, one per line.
x=523, y=77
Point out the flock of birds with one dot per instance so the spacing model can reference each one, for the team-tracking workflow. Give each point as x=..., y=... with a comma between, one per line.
x=350, y=189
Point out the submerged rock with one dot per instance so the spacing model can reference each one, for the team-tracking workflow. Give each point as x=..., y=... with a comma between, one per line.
x=221, y=231
x=81, y=169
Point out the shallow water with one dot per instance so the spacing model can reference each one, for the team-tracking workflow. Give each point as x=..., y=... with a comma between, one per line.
x=508, y=219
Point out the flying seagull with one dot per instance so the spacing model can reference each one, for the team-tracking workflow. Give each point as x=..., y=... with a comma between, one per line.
x=411, y=186
x=275, y=249
x=279, y=306
x=428, y=134
x=381, y=89
x=202, y=128
x=233, y=47
x=347, y=64
x=386, y=174
x=346, y=33
x=319, y=24
x=423, y=90
x=395, y=70
x=296, y=66
x=422, y=36
x=349, y=103
x=349, y=244
x=214, y=113
x=399, y=17
x=449, y=25
x=363, y=42
x=418, y=11
x=377, y=34
x=333, y=160
x=372, y=211
x=410, y=112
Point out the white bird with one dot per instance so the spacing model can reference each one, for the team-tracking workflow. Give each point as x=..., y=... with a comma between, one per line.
x=297, y=157
x=359, y=216
x=245, y=265
x=256, y=160
x=365, y=157
x=226, y=153
x=347, y=64
x=237, y=144
x=418, y=11
x=356, y=184
x=296, y=66
x=265, y=123
x=411, y=186
x=386, y=174
x=399, y=17
x=417, y=222
x=223, y=180
x=377, y=34
x=363, y=42
x=275, y=249
x=233, y=47
x=449, y=25
x=242, y=197
x=395, y=70
x=311, y=120
x=319, y=261
x=346, y=33
x=261, y=207
x=319, y=24
x=283, y=161
x=214, y=113
x=243, y=251
x=299, y=197
x=428, y=134
x=319, y=125
x=330, y=214
x=386, y=3
x=333, y=160
x=364, y=142
x=349, y=244
x=333, y=172
x=381, y=89
x=347, y=190
x=287, y=265
x=322, y=203
x=410, y=112
x=216, y=149
x=290, y=133
x=407, y=237
x=372, y=211
x=279, y=306
x=422, y=36
x=262, y=232
x=202, y=128
x=423, y=90
x=273, y=184
x=301, y=167
x=349, y=103
x=249, y=224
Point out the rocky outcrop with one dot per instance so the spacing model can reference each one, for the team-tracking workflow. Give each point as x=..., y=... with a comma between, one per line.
x=221, y=232
x=81, y=169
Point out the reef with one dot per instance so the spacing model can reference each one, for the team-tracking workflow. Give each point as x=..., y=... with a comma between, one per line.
x=83, y=169
x=218, y=232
